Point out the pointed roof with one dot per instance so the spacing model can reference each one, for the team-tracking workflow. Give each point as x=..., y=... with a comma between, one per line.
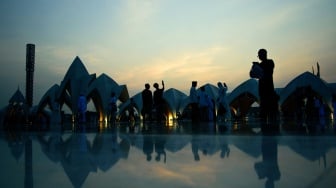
x=76, y=81
x=49, y=97
x=211, y=90
x=137, y=99
x=174, y=98
x=304, y=80
x=249, y=86
x=104, y=86
x=77, y=76
x=176, y=141
x=17, y=97
x=76, y=69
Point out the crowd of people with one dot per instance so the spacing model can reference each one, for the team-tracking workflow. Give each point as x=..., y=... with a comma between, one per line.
x=203, y=107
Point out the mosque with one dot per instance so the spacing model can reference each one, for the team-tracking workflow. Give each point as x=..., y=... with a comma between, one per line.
x=98, y=89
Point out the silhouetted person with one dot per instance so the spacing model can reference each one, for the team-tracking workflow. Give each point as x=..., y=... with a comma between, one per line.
x=147, y=103
x=321, y=112
x=310, y=106
x=82, y=106
x=203, y=104
x=193, y=97
x=131, y=111
x=334, y=110
x=113, y=108
x=300, y=108
x=267, y=96
x=158, y=101
x=224, y=113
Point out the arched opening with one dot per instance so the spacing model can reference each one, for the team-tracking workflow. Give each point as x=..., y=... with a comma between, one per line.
x=242, y=104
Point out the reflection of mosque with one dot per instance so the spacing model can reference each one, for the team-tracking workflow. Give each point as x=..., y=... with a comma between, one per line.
x=80, y=156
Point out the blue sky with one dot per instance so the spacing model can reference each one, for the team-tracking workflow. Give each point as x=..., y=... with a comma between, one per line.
x=135, y=42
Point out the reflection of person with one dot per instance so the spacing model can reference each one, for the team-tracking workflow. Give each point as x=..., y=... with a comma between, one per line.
x=148, y=146
x=194, y=102
x=267, y=96
x=159, y=149
x=82, y=108
x=225, y=149
x=147, y=103
x=159, y=145
x=195, y=142
x=268, y=168
x=158, y=100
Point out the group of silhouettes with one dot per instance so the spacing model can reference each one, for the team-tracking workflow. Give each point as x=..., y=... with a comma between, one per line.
x=153, y=102
x=202, y=106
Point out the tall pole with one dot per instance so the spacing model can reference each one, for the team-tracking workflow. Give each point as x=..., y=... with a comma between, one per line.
x=30, y=61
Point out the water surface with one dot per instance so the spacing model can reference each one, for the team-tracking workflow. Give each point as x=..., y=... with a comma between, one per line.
x=177, y=155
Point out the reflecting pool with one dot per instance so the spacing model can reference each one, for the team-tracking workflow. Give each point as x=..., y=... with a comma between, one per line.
x=177, y=155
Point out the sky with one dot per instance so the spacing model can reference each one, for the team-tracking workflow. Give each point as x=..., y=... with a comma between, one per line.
x=146, y=41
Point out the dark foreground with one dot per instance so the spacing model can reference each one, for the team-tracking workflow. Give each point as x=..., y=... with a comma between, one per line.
x=179, y=154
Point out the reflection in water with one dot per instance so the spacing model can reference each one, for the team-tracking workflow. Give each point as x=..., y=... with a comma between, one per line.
x=81, y=154
x=159, y=142
x=77, y=160
x=28, y=163
x=148, y=146
x=268, y=168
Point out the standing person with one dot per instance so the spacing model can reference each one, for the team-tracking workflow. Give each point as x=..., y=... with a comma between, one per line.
x=267, y=96
x=203, y=104
x=82, y=106
x=334, y=110
x=227, y=115
x=131, y=110
x=158, y=100
x=113, y=108
x=194, y=102
x=222, y=102
x=147, y=103
x=224, y=108
x=321, y=112
x=211, y=109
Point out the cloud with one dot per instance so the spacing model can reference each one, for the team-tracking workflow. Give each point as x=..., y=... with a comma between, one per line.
x=134, y=14
x=177, y=70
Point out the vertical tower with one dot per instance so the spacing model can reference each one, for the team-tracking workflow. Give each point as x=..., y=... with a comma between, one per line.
x=30, y=61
